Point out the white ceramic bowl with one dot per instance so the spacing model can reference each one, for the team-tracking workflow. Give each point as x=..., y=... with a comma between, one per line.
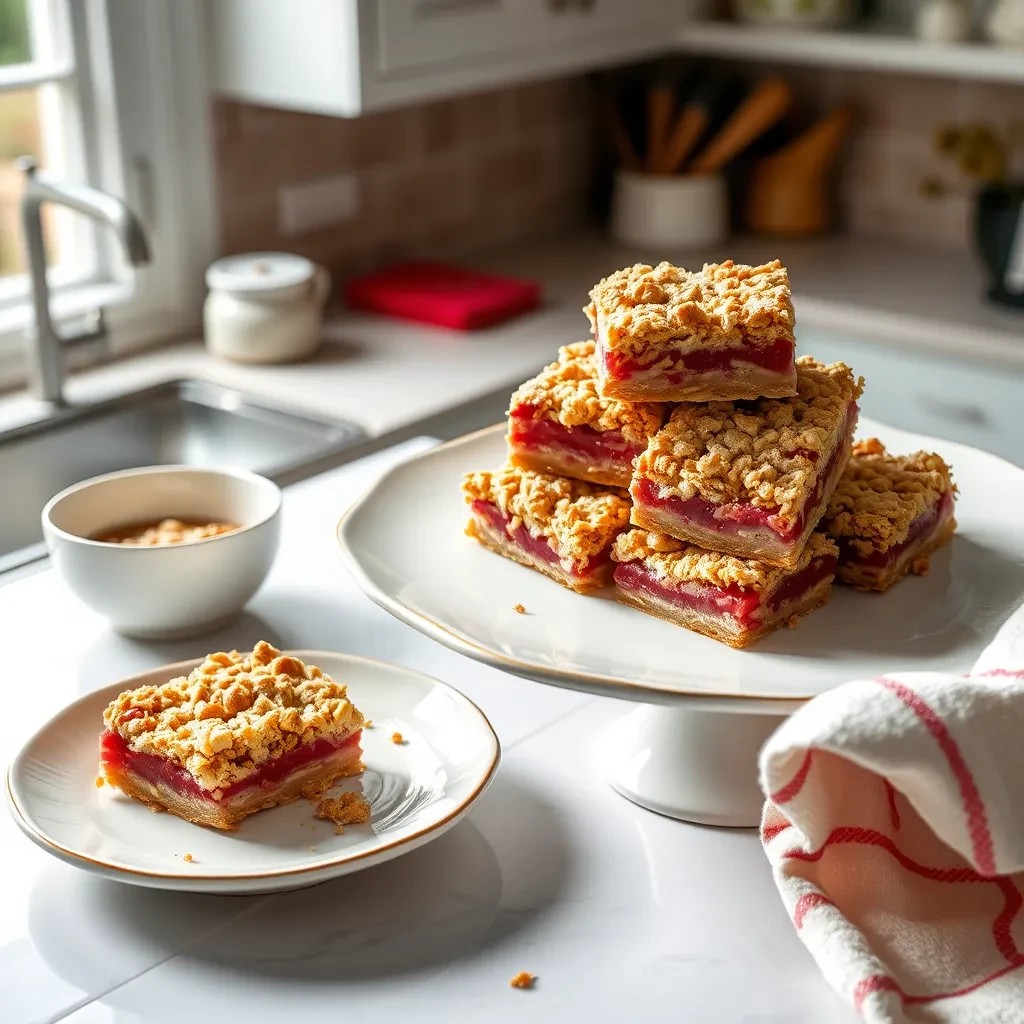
x=169, y=590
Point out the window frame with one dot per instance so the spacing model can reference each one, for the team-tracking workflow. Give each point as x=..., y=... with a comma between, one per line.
x=142, y=89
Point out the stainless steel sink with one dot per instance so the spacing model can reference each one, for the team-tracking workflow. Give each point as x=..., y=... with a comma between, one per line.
x=189, y=422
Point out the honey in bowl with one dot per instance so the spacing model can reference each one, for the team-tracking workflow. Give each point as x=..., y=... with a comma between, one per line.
x=165, y=531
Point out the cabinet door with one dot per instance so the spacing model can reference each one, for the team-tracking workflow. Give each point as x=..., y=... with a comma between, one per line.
x=583, y=20
x=420, y=33
x=930, y=393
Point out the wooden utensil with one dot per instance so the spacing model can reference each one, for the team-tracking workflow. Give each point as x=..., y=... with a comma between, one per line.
x=763, y=108
x=690, y=125
x=788, y=192
x=660, y=99
x=611, y=115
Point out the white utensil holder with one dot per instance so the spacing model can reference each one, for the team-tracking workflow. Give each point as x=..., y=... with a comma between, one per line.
x=677, y=211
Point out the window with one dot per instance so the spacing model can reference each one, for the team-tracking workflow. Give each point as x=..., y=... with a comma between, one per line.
x=112, y=93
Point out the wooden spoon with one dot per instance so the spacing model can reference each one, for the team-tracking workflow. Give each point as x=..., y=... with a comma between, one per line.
x=763, y=108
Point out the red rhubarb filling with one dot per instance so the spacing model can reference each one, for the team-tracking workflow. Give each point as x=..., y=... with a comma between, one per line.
x=539, y=547
x=732, y=518
x=115, y=752
x=919, y=529
x=739, y=603
x=776, y=357
x=581, y=442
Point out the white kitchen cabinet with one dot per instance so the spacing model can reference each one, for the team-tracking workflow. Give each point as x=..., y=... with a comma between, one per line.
x=347, y=57
x=976, y=403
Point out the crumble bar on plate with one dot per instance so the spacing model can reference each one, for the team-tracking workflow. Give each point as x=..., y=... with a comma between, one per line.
x=559, y=423
x=750, y=479
x=560, y=527
x=734, y=600
x=719, y=334
x=239, y=733
x=888, y=514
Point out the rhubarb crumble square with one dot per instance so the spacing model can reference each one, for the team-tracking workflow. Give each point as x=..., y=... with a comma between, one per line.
x=750, y=479
x=559, y=423
x=719, y=334
x=888, y=514
x=560, y=527
x=734, y=600
x=239, y=733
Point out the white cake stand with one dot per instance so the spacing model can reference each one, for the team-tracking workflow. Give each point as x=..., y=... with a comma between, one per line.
x=689, y=748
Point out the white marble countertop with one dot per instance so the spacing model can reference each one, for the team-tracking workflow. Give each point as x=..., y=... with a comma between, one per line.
x=622, y=914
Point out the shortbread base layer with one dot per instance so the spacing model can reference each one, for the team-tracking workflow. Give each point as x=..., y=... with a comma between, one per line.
x=723, y=627
x=319, y=773
x=866, y=574
x=583, y=579
x=744, y=540
x=740, y=384
x=563, y=463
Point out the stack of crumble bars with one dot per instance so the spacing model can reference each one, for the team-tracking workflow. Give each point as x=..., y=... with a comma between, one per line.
x=688, y=457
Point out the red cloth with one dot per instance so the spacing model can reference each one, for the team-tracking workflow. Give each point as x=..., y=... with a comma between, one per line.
x=435, y=293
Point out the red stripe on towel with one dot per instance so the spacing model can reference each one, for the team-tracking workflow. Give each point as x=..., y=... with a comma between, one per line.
x=807, y=902
x=795, y=784
x=873, y=983
x=974, y=807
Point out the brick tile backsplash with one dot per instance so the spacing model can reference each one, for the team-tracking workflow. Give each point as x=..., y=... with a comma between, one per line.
x=448, y=178
x=442, y=179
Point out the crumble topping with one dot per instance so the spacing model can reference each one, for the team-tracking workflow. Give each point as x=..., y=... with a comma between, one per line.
x=880, y=496
x=524, y=979
x=724, y=304
x=166, y=531
x=567, y=391
x=678, y=562
x=233, y=713
x=766, y=453
x=347, y=809
x=581, y=518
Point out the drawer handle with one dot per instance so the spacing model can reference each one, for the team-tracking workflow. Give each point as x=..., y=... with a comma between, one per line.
x=442, y=8
x=975, y=415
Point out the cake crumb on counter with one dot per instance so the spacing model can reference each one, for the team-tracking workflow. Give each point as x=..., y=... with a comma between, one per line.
x=524, y=979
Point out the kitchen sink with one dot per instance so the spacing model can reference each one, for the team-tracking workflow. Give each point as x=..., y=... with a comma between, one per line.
x=188, y=422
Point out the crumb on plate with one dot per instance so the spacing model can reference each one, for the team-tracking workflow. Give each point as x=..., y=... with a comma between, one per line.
x=100, y=781
x=524, y=979
x=187, y=858
x=397, y=738
x=368, y=724
x=347, y=809
x=920, y=566
x=519, y=608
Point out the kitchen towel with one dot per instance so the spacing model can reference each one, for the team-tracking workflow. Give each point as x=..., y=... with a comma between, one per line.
x=895, y=829
x=434, y=293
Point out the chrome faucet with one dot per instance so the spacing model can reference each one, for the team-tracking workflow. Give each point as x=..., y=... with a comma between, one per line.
x=46, y=351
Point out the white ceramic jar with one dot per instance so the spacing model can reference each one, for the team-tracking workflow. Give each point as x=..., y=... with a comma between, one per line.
x=264, y=307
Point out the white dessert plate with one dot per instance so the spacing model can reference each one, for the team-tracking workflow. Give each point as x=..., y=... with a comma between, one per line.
x=417, y=791
x=404, y=543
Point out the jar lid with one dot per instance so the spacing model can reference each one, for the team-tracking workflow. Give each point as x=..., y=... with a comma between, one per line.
x=258, y=272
